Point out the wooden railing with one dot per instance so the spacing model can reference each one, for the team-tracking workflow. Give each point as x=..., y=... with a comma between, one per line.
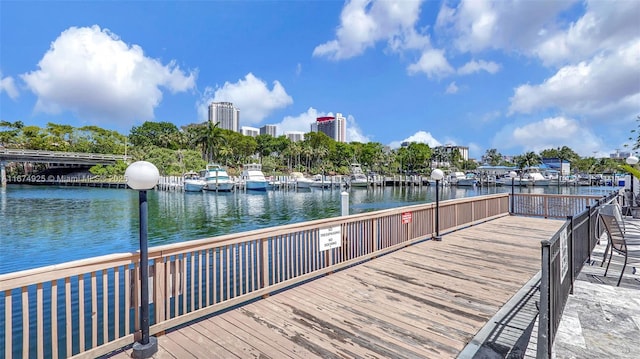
x=550, y=205
x=90, y=307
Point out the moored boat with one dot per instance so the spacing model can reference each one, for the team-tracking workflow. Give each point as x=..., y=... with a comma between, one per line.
x=192, y=182
x=300, y=180
x=469, y=180
x=357, y=178
x=253, y=177
x=217, y=178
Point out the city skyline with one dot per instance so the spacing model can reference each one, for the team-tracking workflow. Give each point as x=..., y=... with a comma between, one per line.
x=514, y=76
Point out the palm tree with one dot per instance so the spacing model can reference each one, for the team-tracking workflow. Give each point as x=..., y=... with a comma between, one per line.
x=529, y=159
x=493, y=156
x=210, y=137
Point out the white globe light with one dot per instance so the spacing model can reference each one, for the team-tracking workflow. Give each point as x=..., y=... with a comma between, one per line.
x=437, y=174
x=512, y=174
x=632, y=160
x=142, y=175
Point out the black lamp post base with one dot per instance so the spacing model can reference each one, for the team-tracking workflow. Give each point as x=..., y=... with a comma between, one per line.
x=437, y=238
x=143, y=351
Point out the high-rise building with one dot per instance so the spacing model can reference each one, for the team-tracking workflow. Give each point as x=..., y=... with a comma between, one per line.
x=295, y=136
x=268, y=130
x=249, y=131
x=334, y=127
x=225, y=114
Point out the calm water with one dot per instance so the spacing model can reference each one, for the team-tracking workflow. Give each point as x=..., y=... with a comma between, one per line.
x=42, y=226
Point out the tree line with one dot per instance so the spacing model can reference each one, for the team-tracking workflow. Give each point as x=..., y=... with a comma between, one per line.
x=189, y=148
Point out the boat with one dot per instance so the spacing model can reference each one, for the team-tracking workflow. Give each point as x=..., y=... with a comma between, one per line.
x=469, y=180
x=533, y=177
x=192, y=182
x=217, y=178
x=455, y=177
x=318, y=181
x=300, y=180
x=253, y=177
x=357, y=178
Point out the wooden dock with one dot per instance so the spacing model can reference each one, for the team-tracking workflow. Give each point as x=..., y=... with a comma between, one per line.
x=424, y=301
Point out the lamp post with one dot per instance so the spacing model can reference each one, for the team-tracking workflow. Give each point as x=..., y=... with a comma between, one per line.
x=632, y=160
x=437, y=175
x=142, y=176
x=513, y=175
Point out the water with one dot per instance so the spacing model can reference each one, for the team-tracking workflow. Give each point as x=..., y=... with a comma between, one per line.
x=41, y=226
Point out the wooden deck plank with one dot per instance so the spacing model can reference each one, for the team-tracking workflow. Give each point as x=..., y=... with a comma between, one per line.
x=426, y=300
x=277, y=341
x=395, y=329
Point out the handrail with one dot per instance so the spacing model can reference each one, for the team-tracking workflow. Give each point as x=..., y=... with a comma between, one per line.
x=550, y=205
x=197, y=278
x=563, y=257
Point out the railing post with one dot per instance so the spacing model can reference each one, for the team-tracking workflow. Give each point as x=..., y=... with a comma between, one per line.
x=589, y=234
x=264, y=268
x=544, y=348
x=571, y=254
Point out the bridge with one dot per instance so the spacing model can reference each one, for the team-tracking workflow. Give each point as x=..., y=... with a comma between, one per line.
x=37, y=156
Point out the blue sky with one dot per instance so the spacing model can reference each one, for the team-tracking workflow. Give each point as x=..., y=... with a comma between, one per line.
x=516, y=76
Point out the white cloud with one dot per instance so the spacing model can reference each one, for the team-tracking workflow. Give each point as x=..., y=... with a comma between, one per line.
x=298, y=69
x=603, y=27
x=433, y=63
x=354, y=133
x=301, y=122
x=421, y=137
x=94, y=74
x=251, y=95
x=364, y=22
x=549, y=133
x=588, y=88
x=452, y=88
x=7, y=84
x=477, y=66
x=476, y=25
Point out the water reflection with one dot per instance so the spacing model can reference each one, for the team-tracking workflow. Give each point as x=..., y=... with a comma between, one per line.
x=48, y=225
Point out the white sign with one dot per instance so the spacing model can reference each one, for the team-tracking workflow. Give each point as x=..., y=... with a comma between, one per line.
x=330, y=237
x=564, y=256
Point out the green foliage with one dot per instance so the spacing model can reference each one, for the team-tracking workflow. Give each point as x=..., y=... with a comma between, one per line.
x=493, y=157
x=529, y=159
x=159, y=134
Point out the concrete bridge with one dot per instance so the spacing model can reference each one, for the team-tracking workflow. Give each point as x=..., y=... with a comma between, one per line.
x=77, y=158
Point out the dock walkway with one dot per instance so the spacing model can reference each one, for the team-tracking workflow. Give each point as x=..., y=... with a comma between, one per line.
x=424, y=301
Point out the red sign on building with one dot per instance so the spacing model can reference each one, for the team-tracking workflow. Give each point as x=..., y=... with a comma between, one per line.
x=406, y=217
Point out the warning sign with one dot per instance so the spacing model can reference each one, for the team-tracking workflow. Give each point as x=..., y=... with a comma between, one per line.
x=406, y=217
x=330, y=237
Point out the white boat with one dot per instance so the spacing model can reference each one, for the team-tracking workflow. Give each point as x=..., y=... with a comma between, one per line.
x=454, y=177
x=318, y=181
x=534, y=178
x=217, y=178
x=469, y=180
x=192, y=182
x=357, y=178
x=253, y=177
x=300, y=180
x=530, y=178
